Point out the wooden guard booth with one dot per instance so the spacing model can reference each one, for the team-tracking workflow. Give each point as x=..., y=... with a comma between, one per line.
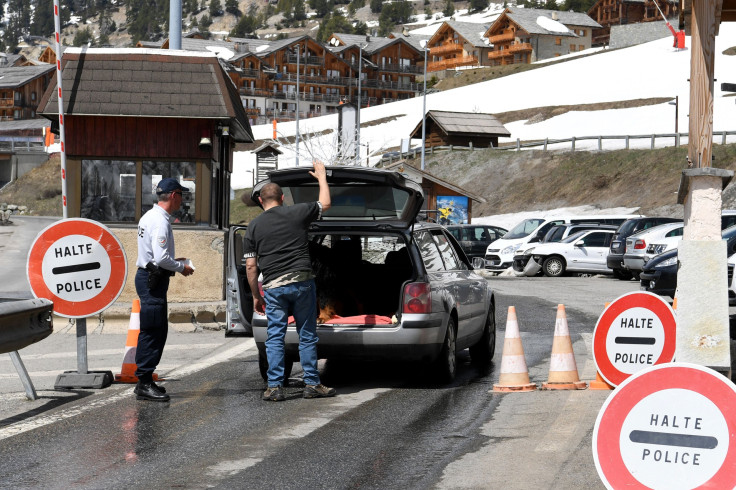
x=135, y=116
x=267, y=159
x=461, y=129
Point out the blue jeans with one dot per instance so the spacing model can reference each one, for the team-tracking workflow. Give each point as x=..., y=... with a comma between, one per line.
x=299, y=299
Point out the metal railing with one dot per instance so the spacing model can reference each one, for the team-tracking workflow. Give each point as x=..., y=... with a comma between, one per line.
x=305, y=60
x=394, y=67
x=13, y=146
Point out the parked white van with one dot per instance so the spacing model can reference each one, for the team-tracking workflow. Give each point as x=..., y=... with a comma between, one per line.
x=500, y=254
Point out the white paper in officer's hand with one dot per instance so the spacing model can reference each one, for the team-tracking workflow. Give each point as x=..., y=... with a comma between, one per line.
x=189, y=263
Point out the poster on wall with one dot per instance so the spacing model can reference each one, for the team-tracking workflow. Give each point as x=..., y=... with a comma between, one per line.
x=452, y=210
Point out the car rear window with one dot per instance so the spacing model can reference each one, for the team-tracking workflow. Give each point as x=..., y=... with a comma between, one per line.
x=354, y=201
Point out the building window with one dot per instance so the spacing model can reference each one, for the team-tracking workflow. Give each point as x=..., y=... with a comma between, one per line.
x=572, y=48
x=33, y=96
x=582, y=32
x=558, y=41
x=108, y=190
x=184, y=172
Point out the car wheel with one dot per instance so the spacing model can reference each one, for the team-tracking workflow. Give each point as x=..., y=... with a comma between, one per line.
x=481, y=354
x=553, y=266
x=622, y=274
x=263, y=367
x=446, y=363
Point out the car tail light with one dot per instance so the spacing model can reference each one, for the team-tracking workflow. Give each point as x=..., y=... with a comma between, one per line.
x=640, y=244
x=417, y=298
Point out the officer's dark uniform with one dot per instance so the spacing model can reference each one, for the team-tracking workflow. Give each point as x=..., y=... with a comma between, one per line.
x=156, y=265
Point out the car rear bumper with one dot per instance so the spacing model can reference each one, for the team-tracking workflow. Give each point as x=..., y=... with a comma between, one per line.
x=414, y=339
x=635, y=262
x=615, y=261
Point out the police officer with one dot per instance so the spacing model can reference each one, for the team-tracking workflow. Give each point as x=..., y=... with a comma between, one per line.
x=156, y=264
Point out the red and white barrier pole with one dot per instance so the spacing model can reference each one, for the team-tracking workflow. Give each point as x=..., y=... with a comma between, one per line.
x=62, y=137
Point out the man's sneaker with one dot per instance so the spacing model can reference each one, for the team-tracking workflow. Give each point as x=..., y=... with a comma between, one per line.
x=318, y=391
x=274, y=394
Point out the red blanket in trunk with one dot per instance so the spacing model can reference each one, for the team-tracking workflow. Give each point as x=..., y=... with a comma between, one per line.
x=356, y=320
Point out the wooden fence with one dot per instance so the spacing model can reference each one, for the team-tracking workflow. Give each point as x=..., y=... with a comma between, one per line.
x=677, y=139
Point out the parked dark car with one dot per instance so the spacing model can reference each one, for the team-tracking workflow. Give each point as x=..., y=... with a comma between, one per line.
x=659, y=275
x=555, y=234
x=388, y=287
x=474, y=239
x=615, y=260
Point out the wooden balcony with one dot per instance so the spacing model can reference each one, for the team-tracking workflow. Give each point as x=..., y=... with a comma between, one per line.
x=445, y=49
x=501, y=38
x=8, y=102
x=512, y=50
x=452, y=63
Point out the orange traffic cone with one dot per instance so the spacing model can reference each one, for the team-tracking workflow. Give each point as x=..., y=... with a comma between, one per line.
x=599, y=383
x=514, y=373
x=127, y=372
x=563, y=372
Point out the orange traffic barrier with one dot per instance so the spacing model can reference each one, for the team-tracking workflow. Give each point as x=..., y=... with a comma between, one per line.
x=599, y=383
x=674, y=303
x=563, y=372
x=514, y=373
x=127, y=372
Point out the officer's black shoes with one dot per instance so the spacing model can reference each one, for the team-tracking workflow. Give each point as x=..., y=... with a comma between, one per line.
x=149, y=391
x=158, y=387
x=274, y=394
x=318, y=391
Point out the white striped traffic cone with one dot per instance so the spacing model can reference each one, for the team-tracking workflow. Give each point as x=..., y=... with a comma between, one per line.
x=127, y=372
x=563, y=372
x=514, y=373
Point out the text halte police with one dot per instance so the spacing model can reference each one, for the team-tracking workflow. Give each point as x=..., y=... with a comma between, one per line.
x=637, y=322
x=677, y=456
x=635, y=357
x=82, y=284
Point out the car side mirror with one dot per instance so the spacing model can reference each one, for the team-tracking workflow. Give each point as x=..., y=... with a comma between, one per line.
x=580, y=244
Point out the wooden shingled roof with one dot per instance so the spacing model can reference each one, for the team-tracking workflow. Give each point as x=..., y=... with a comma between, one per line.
x=470, y=123
x=147, y=83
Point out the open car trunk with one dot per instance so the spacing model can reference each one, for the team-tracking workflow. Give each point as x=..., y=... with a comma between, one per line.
x=359, y=278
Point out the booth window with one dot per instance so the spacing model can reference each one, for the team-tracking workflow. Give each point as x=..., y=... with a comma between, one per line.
x=108, y=190
x=184, y=172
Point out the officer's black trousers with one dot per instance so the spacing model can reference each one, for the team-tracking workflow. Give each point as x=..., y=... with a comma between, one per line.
x=154, y=325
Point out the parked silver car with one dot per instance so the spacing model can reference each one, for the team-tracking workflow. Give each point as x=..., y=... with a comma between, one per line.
x=388, y=287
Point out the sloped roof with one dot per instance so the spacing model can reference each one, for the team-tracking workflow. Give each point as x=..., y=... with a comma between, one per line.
x=470, y=31
x=372, y=44
x=413, y=39
x=16, y=76
x=147, y=83
x=403, y=167
x=470, y=123
x=527, y=20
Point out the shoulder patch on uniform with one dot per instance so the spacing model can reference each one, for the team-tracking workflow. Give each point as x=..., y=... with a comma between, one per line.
x=161, y=241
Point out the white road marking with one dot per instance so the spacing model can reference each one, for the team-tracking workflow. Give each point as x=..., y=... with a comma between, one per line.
x=104, y=352
x=330, y=410
x=104, y=400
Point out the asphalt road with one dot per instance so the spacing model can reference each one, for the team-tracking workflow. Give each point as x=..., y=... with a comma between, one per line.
x=389, y=427
x=15, y=242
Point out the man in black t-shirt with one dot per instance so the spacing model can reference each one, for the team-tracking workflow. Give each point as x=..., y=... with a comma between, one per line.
x=276, y=243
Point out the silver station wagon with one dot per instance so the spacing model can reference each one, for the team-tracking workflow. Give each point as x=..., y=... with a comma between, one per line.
x=388, y=286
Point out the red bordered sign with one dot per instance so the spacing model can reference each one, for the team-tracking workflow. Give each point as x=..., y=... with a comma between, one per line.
x=636, y=331
x=79, y=265
x=669, y=426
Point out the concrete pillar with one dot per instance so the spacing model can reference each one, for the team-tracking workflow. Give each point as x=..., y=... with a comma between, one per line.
x=702, y=285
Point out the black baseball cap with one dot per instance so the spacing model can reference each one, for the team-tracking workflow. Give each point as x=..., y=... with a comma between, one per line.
x=168, y=185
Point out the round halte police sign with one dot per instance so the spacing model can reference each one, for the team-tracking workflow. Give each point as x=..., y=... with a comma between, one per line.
x=79, y=265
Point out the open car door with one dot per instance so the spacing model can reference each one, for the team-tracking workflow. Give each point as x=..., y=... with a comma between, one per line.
x=237, y=295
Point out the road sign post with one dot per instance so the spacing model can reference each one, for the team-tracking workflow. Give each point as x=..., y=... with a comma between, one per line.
x=80, y=266
x=636, y=331
x=668, y=426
